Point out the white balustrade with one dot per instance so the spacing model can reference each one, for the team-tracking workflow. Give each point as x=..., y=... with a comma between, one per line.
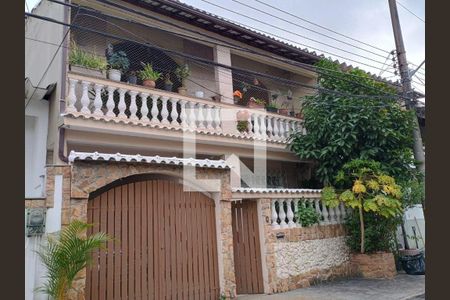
x=275, y=224
x=141, y=105
x=290, y=213
x=282, y=214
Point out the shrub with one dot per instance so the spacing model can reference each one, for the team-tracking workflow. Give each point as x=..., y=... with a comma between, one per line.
x=79, y=57
x=307, y=215
x=119, y=61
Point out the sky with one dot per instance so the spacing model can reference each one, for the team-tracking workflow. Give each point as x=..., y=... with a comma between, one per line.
x=365, y=20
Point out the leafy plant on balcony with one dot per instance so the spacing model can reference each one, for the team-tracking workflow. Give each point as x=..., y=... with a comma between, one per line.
x=66, y=255
x=119, y=61
x=182, y=72
x=82, y=58
x=242, y=126
x=307, y=215
x=367, y=190
x=147, y=72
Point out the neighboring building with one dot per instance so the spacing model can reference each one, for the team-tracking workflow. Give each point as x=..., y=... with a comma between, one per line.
x=112, y=154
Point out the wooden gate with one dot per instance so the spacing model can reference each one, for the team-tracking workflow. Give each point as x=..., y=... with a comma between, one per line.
x=164, y=247
x=246, y=245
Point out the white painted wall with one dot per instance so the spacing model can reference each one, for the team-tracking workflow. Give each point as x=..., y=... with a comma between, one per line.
x=413, y=218
x=38, y=56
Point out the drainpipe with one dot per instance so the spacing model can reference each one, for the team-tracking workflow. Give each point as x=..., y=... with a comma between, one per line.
x=62, y=102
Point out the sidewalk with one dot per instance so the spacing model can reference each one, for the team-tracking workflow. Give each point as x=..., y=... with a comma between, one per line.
x=402, y=287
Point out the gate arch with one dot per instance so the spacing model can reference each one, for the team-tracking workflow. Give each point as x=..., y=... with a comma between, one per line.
x=164, y=243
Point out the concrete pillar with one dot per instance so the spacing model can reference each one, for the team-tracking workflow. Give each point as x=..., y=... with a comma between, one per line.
x=223, y=77
x=235, y=172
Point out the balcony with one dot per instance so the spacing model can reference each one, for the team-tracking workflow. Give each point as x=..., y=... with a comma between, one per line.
x=110, y=101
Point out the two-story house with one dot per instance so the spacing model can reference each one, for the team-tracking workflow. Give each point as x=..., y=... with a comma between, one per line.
x=195, y=184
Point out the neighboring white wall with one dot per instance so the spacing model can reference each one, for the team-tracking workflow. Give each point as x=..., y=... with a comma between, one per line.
x=295, y=258
x=38, y=56
x=413, y=218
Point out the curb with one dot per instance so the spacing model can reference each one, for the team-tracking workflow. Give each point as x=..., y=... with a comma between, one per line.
x=413, y=296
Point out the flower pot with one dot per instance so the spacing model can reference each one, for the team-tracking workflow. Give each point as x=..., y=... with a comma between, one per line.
x=252, y=104
x=199, y=94
x=272, y=109
x=182, y=90
x=168, y=87
x=132, y=79
x=299, y=115
x=149, y=83
x=291, y=113
x=242, y=115
x=283, y=111
x=114, y=74
x=87, y=71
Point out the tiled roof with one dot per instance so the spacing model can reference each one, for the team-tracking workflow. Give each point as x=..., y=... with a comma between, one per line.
x=203, y=163
x=274, y=190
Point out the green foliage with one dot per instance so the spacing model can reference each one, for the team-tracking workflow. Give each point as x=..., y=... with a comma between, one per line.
x=66, y=255
x=242, y=126
x=307, y=215
x=182, y=72
x=271, y=105
x=119, y=61
x=147, y=72
x=258, y=101
x=340, y=129
x=379, y=233
x=79, y=57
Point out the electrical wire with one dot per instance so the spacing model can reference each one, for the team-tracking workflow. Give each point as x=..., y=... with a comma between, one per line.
x=408, y=10
x=306, y=28
x=320, y=26
x=299, y=35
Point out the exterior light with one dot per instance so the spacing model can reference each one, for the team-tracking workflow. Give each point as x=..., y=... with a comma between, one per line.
x=35, y=221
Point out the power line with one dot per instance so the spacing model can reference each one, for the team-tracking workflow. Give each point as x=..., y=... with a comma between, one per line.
x=408, y=10
x=323, y=27
x=299, y=35
x=205, y=61
x=306, y=28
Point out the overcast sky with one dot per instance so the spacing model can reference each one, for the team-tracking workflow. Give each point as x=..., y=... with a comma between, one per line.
x=365, y=20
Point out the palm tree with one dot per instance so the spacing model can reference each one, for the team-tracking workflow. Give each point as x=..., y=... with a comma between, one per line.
x=65, y=256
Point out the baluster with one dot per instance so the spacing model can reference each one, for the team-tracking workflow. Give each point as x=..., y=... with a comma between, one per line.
x=250, y=124
x=144, y=107
x=282, y=214
x=98, y=100
x=256, y=125
x=133, y=105
x=192, y=117
x=282, y=129
x=122, y=106
x=275, y=224
x=338, y=214
x=297, y=221
x=154, y=110
x=293, y=126
x=71, y=97
x=164, y=111
x=325, y=214
x=200, y=117
x=276, y=131
x=183, y=115
x=110, y=105
x=217, y=123
x=332, y=215
x=174, y=112
x=343, y=212
x=269, y=126
x=209, y=119
x=263, y=125
x=85, y=98
x=290, y=214
x=317, y=206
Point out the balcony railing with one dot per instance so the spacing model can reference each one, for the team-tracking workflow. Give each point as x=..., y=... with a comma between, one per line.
x=118, y=102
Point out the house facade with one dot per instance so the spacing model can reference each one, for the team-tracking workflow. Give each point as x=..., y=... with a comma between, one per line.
x=198, y=206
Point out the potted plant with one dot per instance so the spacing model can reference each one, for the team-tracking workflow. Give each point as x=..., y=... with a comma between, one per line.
x=242, y=126
x=118, y=63
x=375, y=197
x=284, y=110
x=168, y=84
x=132, y=77
x=272, y=107
x=86, y=63
x=289, y=95
x=256, y=103
x=242, y=115
x=182, y=72
x=148, y=75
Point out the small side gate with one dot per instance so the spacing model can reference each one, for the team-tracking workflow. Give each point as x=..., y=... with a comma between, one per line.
x=164, y=243
x=247, y=251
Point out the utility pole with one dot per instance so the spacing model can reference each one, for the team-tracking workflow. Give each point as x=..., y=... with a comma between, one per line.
x=408, y=93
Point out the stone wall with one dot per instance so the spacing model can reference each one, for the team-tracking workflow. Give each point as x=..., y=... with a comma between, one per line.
x=299, y=257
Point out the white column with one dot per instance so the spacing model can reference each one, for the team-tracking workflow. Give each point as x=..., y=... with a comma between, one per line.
x=276, y=131
x=164, y=111
x=98, y=100
x=71, y=97
x=183, y=115
x=223, y=76
x=122, y=106
x=282, y=214
x=110, y=103
x=144, y=107
x=192, y=118
x=275, y=224
x=263, y=125
x=200, y=117
x=209, y=119
x=85, y=98
x=290, y=213
x=133, y=105
x=256, y=124
x=154, y=110
x=269, y=126
x=174, y=112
